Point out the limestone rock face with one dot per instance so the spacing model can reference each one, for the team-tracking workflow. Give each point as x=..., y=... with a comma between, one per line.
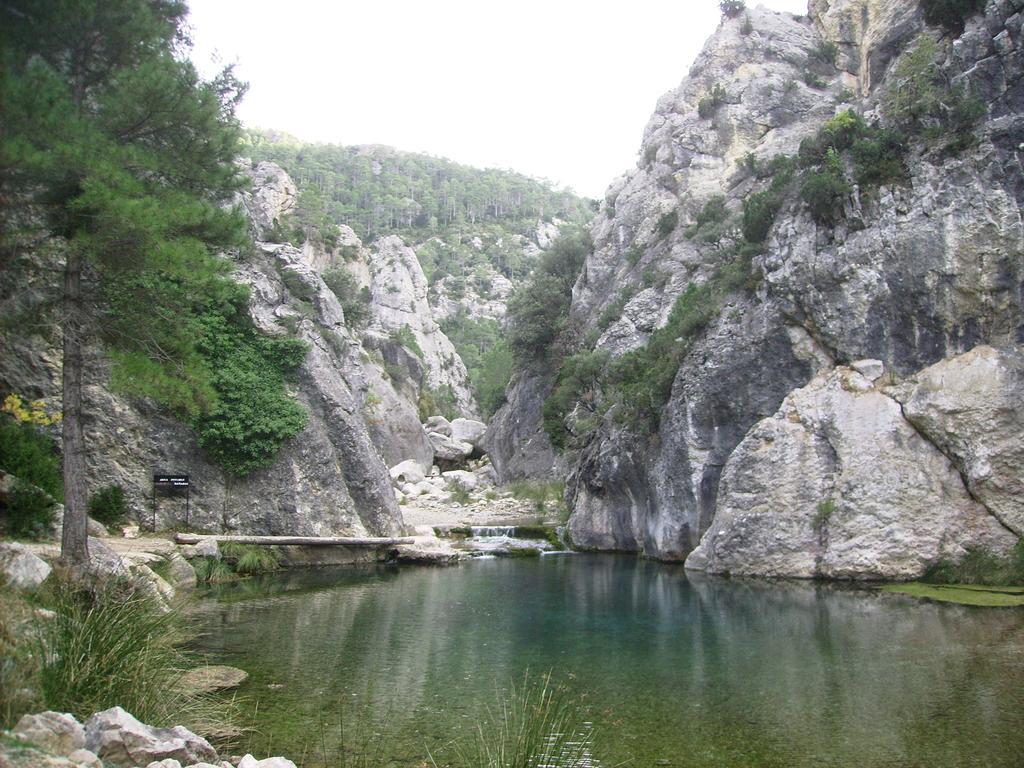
x=838, y=484
x=515, y=438
x=399, y=301
x=910, y=275
x=330, y=479
x=972, y=408
x=118, y=738
x=273, y=195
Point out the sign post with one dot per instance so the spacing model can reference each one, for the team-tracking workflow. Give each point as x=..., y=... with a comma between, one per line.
x=172, y=485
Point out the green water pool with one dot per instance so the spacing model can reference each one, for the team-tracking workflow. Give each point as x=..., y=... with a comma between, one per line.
x=676, y=670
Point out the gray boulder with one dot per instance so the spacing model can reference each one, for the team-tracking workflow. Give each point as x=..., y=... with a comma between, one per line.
x=105, y=562
x=448, y=448
x=468, y=431
x=21, y=567
x=205, y=548
x=181, y=574
x=438, y=424
x=120, y=739
x=460, y=478
x=57, y=732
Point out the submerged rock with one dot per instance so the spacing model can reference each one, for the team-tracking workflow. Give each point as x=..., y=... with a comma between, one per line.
x=214, y=677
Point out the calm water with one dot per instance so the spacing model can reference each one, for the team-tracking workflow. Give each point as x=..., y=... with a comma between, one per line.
x=677, y=670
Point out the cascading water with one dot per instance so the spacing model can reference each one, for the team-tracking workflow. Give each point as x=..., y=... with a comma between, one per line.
x=509, y=540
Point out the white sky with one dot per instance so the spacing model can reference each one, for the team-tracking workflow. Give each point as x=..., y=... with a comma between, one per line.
x=557, y=89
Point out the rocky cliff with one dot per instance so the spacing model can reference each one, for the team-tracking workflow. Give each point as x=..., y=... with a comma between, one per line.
x=766, y=422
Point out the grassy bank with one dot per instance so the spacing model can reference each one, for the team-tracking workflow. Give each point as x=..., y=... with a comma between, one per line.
x=963, y=594
x=79, y=649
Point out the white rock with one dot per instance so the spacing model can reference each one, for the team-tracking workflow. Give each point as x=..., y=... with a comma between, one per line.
x=468, y=430
x=21, y=567
x=182, y=575
x=407, y=472
x=95, y=528
x=167, y=762
x=459, y=478
x=838, y=484
x=205, y=548
x=270, y=762
x=972, y=407
x=438, y=424
x=449, y=449
x=152, y=584
x=871, y=369
x=130, y=531
x=57, y=732
x=85, y=759
x=118, y=738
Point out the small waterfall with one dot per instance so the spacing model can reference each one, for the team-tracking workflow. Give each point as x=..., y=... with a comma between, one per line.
x=489, y=531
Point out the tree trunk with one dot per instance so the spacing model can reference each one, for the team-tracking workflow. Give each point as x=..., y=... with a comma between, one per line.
x=74, y=545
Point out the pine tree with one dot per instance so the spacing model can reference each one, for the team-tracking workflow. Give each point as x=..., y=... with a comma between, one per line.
x=107, y=129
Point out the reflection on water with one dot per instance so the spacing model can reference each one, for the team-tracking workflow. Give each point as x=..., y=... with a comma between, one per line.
x=697, y=672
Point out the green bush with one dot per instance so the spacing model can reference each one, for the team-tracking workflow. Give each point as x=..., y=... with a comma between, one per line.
x=539, y=309
x=108, y=505
x=407, y=338
x=253, y=414
x=440, y=401
x=731, y=8
x=709, y=104
x=210, y=570
x=824, y=190
x=579, y=382
x=27, y=511
x=250, y=559
x=951, y=14
x=667, y=223
x=979, y=566
x=30, y=455
x=824, y=53
x=355, y=301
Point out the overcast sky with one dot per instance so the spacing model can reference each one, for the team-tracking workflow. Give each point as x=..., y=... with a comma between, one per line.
x=557, y=89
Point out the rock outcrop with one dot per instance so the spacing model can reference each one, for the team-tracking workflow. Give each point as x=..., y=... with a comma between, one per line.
x=838, y=484
x=911, y=274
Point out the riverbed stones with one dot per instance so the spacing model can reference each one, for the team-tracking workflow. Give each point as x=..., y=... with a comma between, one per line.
x=118, y=738
x=57, y=732
x=21, y=567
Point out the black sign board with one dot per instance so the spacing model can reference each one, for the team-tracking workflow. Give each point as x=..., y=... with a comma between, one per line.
x=172, y=485
x=169, y=482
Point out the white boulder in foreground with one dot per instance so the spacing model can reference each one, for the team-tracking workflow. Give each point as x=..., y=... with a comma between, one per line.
x=21, y=567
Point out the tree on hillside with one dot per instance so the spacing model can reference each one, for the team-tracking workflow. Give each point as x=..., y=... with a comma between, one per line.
x=117, y=148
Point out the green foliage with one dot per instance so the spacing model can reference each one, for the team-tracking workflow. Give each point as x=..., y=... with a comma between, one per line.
x=537, y=724
x=29, y=454
x=822, y=514
x=108, y=505
x=922, y=102
x=711, y=224
x=814, y=80
x=979, y=566
x=459, y=495
x=709, y=104
x=731, y=8
x=26, y=511
x=539, y=309
x=407, y=338
x=825, y=189
x=878, y=157
x=578, y=386
x=210, y=570
x=378, y=190
x=951, y=14
x=252, y=415
x=543, y=495
x=747, y=26
x=118, y=647
x=824, y=53
x=440, y=401
x=484, y=350
x=667, y=223
x=250, y=559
